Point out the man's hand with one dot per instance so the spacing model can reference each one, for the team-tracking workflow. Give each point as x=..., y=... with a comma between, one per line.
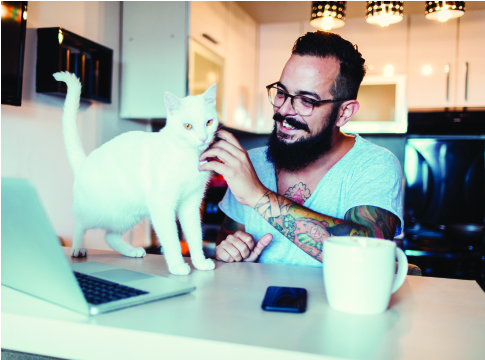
x=240, y=247
x=236, y=168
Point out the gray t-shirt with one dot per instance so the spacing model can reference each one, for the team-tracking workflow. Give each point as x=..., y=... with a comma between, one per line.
x=367, y=175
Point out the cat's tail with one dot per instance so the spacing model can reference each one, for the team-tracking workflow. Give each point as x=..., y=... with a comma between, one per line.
x=72, y=141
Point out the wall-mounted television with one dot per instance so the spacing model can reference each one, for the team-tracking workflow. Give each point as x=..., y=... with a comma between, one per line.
x=14, y=25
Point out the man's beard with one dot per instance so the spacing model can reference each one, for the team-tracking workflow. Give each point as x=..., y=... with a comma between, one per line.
x=303, y=152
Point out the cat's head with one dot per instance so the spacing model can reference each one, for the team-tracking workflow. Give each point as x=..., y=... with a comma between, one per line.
x=193, y=120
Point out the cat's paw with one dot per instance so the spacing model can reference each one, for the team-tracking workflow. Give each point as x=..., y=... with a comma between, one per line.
x=137, y=252
x=180, y=269
x=79, y=252
x=206, y=264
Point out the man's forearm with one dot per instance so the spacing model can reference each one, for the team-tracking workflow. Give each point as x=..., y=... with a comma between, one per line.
x=305, y=228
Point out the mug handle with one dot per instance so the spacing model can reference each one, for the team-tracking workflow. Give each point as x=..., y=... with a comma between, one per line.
x=402, y=270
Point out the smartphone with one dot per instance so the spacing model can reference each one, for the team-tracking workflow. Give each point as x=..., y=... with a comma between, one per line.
x=285, y=299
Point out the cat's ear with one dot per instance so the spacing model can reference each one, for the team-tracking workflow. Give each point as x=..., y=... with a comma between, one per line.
x=172, y=103
x=210, y=94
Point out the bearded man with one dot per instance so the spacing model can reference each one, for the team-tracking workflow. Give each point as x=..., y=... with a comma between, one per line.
x=312, y=181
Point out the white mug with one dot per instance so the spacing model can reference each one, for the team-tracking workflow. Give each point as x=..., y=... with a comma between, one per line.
x=358, y=273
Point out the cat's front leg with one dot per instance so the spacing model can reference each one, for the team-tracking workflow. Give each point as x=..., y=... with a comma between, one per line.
x=189, y=216
x=78, y=248
x=162, y=214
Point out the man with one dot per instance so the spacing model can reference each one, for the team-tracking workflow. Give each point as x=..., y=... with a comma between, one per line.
x=312, y=181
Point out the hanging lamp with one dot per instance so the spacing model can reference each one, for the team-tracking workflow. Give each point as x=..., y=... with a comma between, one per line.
x=328, y=15
x=444, y=10
x=384, y=13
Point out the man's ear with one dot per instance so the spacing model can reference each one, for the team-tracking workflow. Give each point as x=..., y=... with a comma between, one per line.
x=346, y=111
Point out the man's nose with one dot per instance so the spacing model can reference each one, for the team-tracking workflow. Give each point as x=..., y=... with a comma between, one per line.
x=287, y=107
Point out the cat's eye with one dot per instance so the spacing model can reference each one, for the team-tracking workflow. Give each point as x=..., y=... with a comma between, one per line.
x=209, y=123
x=188, y=126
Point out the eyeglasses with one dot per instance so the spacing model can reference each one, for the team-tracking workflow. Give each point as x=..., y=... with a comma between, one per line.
x=303, y=105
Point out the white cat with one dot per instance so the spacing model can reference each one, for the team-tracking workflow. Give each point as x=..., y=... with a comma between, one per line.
x=139, y=174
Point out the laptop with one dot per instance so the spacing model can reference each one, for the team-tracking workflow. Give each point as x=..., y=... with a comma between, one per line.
x=33, y=262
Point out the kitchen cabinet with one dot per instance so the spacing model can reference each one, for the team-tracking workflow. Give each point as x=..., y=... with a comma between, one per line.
x=240, y=69
x=439, y=55
x=159, y=54
x=208, y=25
x=154, y=56
x=432, y=63
x=230, y=33
x=470, y=84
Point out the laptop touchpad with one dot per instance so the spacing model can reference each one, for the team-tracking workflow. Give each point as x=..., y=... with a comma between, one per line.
x=121, y=275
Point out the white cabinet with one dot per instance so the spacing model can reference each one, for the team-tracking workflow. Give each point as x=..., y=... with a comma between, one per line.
x=432, y=56
x=439, y=55
x=154, y=56
x=470, y=82
x=162, y=39
x=208, y=25
x=228, y=31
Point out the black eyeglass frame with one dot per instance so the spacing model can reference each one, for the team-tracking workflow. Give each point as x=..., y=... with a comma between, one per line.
x=287, y=95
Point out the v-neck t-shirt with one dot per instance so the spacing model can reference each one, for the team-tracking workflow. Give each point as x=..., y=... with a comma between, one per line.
x=367, y=175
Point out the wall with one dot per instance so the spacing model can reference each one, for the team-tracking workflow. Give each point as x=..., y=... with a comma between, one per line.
x=32, y=144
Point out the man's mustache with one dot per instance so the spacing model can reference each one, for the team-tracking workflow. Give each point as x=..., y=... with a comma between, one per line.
x=292, y=121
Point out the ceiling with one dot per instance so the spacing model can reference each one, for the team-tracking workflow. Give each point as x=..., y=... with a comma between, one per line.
x=266, y=12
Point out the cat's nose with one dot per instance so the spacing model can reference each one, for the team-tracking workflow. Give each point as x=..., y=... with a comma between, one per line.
x=204, y=139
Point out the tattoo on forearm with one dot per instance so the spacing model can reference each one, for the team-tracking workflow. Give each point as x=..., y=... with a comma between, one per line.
x=304, y=227
x=379, y=222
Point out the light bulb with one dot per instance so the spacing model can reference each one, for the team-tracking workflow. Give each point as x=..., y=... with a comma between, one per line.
x=385, y=17
x=327, y=23
x=444, y=15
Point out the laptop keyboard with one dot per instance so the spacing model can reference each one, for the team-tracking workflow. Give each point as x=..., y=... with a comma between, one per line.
x=98, y=291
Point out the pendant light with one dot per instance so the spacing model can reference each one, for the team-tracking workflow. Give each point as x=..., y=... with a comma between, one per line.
x=444, y=10
x=328, y=15
x=384, y=13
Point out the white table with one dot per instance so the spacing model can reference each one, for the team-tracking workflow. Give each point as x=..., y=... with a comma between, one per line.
x=428, y=318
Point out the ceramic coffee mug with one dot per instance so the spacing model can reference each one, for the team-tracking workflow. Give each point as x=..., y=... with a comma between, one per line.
x=358, y=273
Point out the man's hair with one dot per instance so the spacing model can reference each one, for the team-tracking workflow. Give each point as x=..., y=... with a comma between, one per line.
x=324, y=44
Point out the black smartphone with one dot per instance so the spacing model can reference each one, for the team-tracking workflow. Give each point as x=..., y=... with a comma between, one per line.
x=285, y=299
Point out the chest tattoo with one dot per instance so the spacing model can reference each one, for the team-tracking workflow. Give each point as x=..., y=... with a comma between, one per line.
x=298, y=193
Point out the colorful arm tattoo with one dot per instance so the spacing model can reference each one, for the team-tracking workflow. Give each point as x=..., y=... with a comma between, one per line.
x=380, y=223
x=228, y=227
x=302, y=226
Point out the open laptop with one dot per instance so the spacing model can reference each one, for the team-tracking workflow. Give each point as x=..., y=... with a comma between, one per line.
x=33, y=262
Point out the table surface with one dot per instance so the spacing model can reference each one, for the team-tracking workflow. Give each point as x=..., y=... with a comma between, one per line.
x=428, y=318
